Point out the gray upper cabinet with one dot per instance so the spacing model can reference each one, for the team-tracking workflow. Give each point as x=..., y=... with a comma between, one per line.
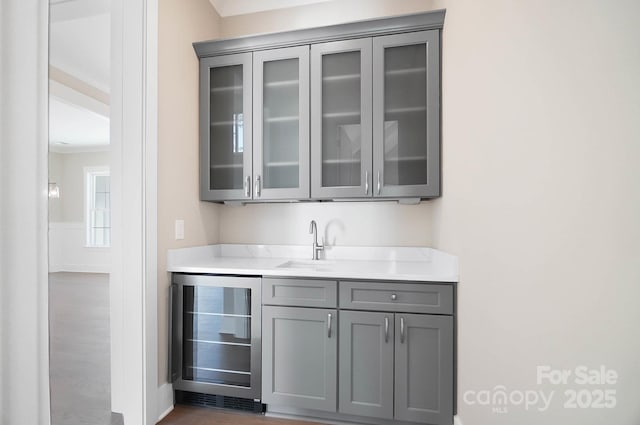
x=341, y=141
x=424, y=368
x=349, y=111
x=406, y=115
x=281, y=123
x=225, y=127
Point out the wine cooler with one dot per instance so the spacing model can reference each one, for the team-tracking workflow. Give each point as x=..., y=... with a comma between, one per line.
x=216, y=335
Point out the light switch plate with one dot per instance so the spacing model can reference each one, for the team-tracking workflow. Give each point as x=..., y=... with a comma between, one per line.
x=179, y=229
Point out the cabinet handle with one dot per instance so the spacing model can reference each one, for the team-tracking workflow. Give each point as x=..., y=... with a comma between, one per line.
x=402, y=330
x=386, y=329
x=172, y=375
x=329, y=325
x=394, y=297
x=258, y=186
x=379, y=185
x=366, y=182
x=247, y=187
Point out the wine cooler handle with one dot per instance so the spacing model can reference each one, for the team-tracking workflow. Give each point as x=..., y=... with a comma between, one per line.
x=173, y=372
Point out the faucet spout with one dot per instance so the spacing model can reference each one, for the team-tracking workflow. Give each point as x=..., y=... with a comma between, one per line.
x=317, y=247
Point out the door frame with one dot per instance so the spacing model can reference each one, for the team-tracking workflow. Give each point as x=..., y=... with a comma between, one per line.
x=133, y=281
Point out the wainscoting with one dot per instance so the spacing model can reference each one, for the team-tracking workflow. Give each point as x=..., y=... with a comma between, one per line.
x=68, y=253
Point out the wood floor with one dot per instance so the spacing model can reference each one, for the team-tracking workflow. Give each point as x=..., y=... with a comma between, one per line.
x=191, y=415
x=79, y=349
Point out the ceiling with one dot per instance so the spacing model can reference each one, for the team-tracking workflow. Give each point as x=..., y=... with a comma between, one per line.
x=80, y=53
x=79, y=59
x=240, y=7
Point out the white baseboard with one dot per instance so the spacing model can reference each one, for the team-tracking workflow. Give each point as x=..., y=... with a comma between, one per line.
x=165, y=400
x=457, y=420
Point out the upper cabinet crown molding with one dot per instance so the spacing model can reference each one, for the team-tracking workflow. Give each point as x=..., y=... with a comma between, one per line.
x=367, y=28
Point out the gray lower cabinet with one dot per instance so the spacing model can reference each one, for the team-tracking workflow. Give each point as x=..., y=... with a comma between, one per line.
x=299, y=362
x=396, y=366
x=424, y=368
x=393, y=364
x=366, y=364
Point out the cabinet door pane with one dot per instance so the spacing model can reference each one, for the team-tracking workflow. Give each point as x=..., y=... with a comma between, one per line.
x=341, y=121
x=407, y=115
x=280, y=124
x=405, y=102
x=227, y=127
x=281, y=105
x=341, y=132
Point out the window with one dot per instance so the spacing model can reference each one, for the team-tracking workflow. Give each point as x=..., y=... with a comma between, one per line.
x=98, y=206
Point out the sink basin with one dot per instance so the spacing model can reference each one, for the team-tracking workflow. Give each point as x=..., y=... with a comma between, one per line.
x=319, y=265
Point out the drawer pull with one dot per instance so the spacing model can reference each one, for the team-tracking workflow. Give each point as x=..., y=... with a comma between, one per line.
x=247, y=187
x=402, y=330
x=258, y=186
x=366, y=182
x=386, y=329
x=394, y=297
x=329, y=325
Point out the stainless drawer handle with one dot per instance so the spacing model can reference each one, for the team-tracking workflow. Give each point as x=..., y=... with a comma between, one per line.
x=394, y=297
x=258, y=186
x=386, y=329
x=379, y=183
x=329, y=325
x=247, y=187
x=366, y=182
x=402, y=330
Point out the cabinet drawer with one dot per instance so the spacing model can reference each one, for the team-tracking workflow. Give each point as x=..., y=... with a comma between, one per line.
x=401, y=297
x=299, y=292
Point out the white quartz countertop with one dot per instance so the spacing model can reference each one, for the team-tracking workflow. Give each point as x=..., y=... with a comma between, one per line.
x=379, y=263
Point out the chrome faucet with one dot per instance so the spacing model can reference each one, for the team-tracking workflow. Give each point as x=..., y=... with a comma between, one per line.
x=317, y=247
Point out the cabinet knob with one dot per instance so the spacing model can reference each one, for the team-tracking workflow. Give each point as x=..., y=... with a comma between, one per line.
x=394, y=297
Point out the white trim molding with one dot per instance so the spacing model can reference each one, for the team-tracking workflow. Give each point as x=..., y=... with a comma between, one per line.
x=24, y=304
x=133, y=283
x=68, y=253
x=165, y=400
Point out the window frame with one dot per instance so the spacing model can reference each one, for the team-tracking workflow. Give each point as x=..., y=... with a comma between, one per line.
x=90, y=174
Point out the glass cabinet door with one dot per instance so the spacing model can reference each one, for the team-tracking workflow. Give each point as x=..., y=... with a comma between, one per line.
x=281, y=123
x=406, y=115
x=341, y=119
x=226, y=127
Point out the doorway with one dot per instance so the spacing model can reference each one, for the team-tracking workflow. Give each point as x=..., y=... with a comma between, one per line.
x=80, y=212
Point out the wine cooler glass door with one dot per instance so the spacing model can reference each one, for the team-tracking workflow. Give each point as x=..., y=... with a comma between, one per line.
x=220, y=344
